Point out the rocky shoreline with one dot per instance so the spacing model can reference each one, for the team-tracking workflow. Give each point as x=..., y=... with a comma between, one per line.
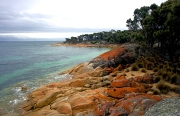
x=86, y=45
x=100, y=87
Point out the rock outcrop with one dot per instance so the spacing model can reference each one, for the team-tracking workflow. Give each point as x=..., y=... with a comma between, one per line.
x=97, y=88
x=166, y=107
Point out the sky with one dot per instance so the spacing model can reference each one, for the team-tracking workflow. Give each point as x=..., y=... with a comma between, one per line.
x=59, y=19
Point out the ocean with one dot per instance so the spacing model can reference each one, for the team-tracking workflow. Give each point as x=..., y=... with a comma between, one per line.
x=35, y=63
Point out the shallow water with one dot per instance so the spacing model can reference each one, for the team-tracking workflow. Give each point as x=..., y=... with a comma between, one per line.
x=32, y=64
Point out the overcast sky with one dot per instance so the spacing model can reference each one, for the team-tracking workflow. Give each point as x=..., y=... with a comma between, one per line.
x=50, y=19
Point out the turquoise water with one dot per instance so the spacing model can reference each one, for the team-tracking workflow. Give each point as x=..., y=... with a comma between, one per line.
x=32, y=64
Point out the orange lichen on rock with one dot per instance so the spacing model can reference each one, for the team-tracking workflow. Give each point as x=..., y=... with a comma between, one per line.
x=134, y=104
x=112, y=53
x=139, y=102
x=121, y=92
x=121, y=83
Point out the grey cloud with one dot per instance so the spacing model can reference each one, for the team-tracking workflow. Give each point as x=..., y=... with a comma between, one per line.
x=13, y=18
x=25, y=22
x=14, y=21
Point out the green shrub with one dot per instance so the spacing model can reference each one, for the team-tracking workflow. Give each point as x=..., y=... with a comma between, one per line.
x=93, y=42
x=156, y=92
x=163, y=87
x=155, y=69
x=134, y=67
x=175, y=65
x=143, y=70
x=176, y=89
x=140, y=64
x=157, y=79
x=166, y=75
x=161, y=66
x=173, y=78
x=170, y=69
x=159, y=59
x=151, y=59
x=149, y=65
x=178, y=65
x=159, y=72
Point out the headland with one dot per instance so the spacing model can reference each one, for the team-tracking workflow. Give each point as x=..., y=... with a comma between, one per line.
x=118, y=82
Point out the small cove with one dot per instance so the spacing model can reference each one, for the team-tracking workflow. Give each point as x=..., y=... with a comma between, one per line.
x=32, y=64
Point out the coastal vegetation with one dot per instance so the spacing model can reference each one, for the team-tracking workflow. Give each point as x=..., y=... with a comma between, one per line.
x=104, y=37
x=158, y=25
x=155, y=27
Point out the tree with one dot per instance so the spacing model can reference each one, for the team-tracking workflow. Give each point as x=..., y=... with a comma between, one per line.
x=150, y=25
x=159, y=24
x=140, y=14
x=132, y=25
x=136, y=24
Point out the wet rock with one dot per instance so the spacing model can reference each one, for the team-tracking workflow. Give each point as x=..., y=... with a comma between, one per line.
x=23, y=88
x=47, y=99
x=11, y=114
x=2, y=111
x=43, y=112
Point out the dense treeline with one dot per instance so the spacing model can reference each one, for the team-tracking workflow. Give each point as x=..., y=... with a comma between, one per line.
x=151, y=26
x=103, y=37
x=160, y=25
